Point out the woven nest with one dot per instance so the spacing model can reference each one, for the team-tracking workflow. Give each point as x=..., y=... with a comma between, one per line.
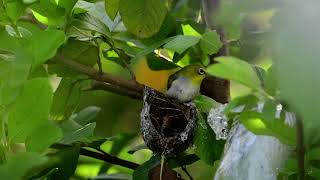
x=167, y=125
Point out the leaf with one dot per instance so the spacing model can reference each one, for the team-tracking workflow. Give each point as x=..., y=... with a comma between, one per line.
x=66, y=161
x=83, y=52
x=142, y=172
x=49, y=13
x=158, y=63
x=42, y=137
x=80, y=134
x=91, y=23
x=314, y=172
x=44, y=43
x=143, y=17
x=183, y=160
x=37, y=93
x=254, y=122
x=248, y=101
x=313, y=154
x=151, y=48
x=19, y=165
x=112, y=8
x=66, y=98
x=87, y=114
x=14, y=9
x=204, y=103
x=235, y=69
x=14, y=69
x=181, y=43
x=210, y=42
x=207, y=148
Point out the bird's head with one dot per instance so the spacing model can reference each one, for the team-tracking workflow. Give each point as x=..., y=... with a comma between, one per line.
x=195, y=72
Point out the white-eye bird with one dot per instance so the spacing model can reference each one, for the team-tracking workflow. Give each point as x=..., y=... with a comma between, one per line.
x=185, y=83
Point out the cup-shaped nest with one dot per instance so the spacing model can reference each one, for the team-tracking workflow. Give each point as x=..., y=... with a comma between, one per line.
x=167, y=125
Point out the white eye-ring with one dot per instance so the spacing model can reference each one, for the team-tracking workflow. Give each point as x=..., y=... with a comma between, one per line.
x=201, y=71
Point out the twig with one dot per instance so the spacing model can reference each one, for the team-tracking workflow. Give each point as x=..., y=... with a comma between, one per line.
x=130, y=86
x=300, y=149
x=115, y=89
x=108, y=158
x=184, y=169
x=123, y=57
x=101, y=156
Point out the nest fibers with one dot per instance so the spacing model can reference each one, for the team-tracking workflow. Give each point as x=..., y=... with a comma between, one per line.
x=167, y=125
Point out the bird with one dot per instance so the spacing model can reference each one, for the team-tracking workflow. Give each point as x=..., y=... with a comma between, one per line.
x=184, y=84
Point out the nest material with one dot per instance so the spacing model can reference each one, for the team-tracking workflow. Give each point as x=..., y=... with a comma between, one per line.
x=167, y=125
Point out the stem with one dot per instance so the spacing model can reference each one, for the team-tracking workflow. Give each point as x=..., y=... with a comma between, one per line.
x=300, y=150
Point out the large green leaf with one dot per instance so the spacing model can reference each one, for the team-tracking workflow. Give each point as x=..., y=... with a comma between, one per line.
x=83, y=52
x=235, y=69
x=44, y=43
x=143, y=17
x=112, y=8
x=81, y=134
x=30, y=110
x=15, y=64
x=181, y=43
x=255, y=123
x=210, y=42
x=42, y=137
x=87, y=115
x=158, y=63
x=14, y=9
x=18, y=166
x=207, y=148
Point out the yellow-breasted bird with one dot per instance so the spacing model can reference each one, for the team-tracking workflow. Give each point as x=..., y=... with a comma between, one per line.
x=185, y=83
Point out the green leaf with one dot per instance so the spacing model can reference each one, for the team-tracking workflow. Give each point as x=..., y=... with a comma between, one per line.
x=87, y=115
x=81, y=134
x=143, y=17
x=249, y=101
x=151, y=48
x=49, y=13
x=112, y=8
x=158, y=63
x=183, y=160
x=30, y=110
x=83, y=52
x=14, y=9
x=254, y=122
x=116, y=176
x=19, y=165
x=207, y=148
x=66, y=163
x=66, y=98
x=210, y=42
x=15, y=64
x=313, y=154
x=235, y=69
x=181, y=43
x=314, y=172
x=44, y=43
x=91, y=23
x=42, y=137
x=142, y=172
x=204, y=103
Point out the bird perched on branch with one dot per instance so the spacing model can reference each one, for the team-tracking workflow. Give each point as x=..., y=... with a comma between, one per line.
x=185, y=83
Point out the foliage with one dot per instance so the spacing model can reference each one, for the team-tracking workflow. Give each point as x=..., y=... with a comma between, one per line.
x=51, y=109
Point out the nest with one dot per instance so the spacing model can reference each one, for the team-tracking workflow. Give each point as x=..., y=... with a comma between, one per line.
x=167, y=125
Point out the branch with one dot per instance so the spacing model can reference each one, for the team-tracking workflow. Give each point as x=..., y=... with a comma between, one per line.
x=115, y=89
x=108, y=158
x=121, y=86
x=100, y=155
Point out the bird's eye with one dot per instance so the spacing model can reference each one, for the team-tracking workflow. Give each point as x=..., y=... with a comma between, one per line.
x=201, y=71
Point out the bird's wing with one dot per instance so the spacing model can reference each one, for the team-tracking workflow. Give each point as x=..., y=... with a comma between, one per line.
x=171, y=78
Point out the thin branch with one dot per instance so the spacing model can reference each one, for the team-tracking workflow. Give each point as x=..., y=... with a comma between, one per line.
x=122, y=56
x=115, y=89
x=108, y=158
x=104, y=77
x=184, y=169
x=300, y=149
x=101, y=156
